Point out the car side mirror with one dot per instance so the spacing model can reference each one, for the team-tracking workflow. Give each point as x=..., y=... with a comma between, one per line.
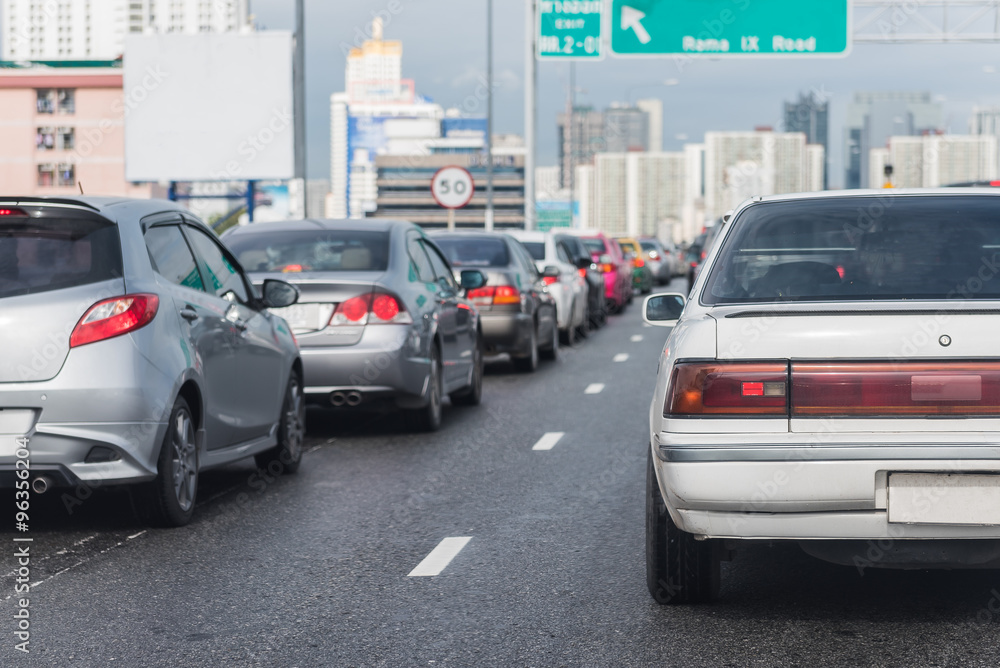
x=663, y=310
x=278, y=294
x=551, y=271
x=583, y=262
x=472, y=279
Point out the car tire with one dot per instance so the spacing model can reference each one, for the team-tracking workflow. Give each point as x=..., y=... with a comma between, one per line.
x=583, y=331
x=551, y=352
x=170, y=498
x=568, y=337
x=679, y=569
x=473, y=394
x=428, y=418
x=529, y=363
x=291, y=432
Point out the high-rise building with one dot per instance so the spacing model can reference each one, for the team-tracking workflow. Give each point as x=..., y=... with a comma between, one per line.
x=95, y=30
x=811, y=116
x=985, y=121
x=654, y=111
x=932, y=161
x=634, y=194
x=739, y=165
x=874, y=117
x=619, y=129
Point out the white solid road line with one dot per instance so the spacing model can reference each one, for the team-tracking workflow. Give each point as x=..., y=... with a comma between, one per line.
x=594, y=388
x=440, y=557
x=549, y=440
x=623, y=357
x=637, y=338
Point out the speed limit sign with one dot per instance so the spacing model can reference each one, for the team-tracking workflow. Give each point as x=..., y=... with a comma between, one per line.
x=452, y=187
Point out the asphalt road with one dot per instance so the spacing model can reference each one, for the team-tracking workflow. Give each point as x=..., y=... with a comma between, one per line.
x=315, y=569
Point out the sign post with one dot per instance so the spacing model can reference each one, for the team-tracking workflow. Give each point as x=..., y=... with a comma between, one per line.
x=717, y=28
x=452, y=188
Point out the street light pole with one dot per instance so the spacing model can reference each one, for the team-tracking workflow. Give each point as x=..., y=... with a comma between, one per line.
x=489, y=115
x=530, y=114
x=299, y=77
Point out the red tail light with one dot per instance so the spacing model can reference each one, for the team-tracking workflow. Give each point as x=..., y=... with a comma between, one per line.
x=583, y=272
x=878, y=389
x=608, y=268
x=378, y=308
x=494, y=296
x=640, y=263
x=13, y=212
x=114, y=317
x=720, y=388
x=549, y=280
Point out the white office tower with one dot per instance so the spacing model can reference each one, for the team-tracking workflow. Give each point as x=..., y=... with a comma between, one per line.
x=96, y=29
x=936, y=160
x=985, y=121
x=739, y=165
x=815, y=168
x=654, y=110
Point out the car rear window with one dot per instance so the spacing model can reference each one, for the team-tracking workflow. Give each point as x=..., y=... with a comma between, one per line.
x=43, y=254
x=595, y=245
x=861, y=248
x=307, y=250
x=627, y=247
x=648, y=246
x=474, y=252
x=536, y=248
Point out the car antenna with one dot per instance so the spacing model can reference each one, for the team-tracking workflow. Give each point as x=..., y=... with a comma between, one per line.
x=80, y=183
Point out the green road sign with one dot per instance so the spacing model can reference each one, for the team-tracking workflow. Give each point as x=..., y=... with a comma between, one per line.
x=570, y=29
x=551, y=215
x=730, y=27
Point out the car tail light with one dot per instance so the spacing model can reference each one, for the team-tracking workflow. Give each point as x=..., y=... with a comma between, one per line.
x=549, y=280
x=494, y=295
x=723, y=388
x=13, y=212
x=583, y=272
x=378, y=308
x=114, y=317
x=640, y=263
x=608, y=268
x=885, y=389
x=292, y=269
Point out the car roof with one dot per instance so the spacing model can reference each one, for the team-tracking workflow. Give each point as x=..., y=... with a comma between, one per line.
x=321, y=224
x=110, y=207
x=888, y=192
x=528, y=235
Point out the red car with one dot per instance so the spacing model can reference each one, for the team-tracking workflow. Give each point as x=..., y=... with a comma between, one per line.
x=617, y=270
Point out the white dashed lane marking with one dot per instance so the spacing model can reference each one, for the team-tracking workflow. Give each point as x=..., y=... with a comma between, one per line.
x=637, y=338
x=623, y=357
x=549, y=440
x=594, y=388
x=440, y=557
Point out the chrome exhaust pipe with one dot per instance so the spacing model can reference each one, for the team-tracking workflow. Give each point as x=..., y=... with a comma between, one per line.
x=338, y=399
x=354, y=398
x=41, y=484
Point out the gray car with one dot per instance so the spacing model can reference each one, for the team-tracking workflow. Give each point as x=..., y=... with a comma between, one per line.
x=381, y=320
x=134, y=350
x=518, y=313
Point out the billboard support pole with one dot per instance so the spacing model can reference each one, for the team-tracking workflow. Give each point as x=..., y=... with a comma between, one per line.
x=489, y=116
x=530, y=115
x=299, y=91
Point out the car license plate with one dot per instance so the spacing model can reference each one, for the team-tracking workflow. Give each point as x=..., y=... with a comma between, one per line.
x=305, y=317
x=944, y=498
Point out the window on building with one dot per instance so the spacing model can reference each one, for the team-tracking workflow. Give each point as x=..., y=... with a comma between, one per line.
x=46, y=175
x=67, y=101
x=66, y=139
x=45, y=139
x=46, y=101
x=66, y=175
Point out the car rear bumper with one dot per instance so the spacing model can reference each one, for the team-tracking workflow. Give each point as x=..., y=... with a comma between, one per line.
x=814, y=493
x=386, y=363
x=507, y=332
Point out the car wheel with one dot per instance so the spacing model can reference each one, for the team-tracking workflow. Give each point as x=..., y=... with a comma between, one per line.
x=551, y=352
x=428, y=418
x=529, y=363
x=583, y=331
x=291, y=432
x=473, y=394
x=171, y=496
x=568, y=338
x=679, y=569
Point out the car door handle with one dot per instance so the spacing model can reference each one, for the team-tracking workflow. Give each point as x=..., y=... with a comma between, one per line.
x=189, y=314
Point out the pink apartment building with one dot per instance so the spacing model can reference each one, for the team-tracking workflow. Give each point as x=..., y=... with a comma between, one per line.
x=62, y=127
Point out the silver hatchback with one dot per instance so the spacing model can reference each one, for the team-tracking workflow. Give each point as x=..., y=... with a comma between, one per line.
x=133, y=350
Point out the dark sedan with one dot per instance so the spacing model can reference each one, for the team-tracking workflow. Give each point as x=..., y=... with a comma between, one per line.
x=518, y=314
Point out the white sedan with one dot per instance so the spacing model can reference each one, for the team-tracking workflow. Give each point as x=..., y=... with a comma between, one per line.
x=834, y=380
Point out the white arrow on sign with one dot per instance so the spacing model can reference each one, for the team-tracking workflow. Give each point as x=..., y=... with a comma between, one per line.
x=632, y=20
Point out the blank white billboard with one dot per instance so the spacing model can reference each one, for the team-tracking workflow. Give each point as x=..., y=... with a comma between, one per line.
x=209, y=107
